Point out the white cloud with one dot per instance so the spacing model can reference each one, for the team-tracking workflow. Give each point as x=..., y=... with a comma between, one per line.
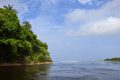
x=45, y=4
x=102, y=21
x=84, y=1
x=103, y=27
x=107, y=26
x=76, y=16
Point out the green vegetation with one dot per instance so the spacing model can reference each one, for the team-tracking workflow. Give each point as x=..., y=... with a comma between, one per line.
x=113, y=59
x=18, y=44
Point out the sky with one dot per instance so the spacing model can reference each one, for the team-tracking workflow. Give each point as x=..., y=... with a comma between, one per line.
x=75, y=30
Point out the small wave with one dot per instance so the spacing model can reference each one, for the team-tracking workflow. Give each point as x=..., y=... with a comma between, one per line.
x=70, y=61
x=74, y=78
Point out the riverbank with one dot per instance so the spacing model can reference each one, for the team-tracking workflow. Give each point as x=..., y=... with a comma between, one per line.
x=23, y=64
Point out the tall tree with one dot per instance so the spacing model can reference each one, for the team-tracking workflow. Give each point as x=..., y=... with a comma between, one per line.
x=10, y=7
x=27, y=25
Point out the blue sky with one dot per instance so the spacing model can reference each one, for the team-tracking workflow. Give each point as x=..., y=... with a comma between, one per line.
x=74, y=29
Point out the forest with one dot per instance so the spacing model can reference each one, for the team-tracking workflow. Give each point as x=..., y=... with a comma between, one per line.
x=18, y=43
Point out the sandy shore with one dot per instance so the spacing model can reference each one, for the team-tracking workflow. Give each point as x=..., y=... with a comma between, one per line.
x=23, y=64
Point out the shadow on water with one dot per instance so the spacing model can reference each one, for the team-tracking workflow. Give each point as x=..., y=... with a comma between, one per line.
x=37, y=72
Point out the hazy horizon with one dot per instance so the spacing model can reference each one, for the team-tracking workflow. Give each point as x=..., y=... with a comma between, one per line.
x=75, y=30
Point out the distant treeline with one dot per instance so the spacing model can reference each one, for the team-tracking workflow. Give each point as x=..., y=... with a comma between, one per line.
x=113, y=59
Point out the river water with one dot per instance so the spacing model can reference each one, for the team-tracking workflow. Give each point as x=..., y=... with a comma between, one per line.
x=70, y=70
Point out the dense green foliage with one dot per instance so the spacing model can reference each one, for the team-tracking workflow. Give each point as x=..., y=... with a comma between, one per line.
x=17, y=41
x=113, y=59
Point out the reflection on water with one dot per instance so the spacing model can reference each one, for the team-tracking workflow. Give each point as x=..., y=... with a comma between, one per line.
x=63, y=71
x=38, y=72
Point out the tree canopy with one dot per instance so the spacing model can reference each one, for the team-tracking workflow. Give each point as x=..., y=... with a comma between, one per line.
x=17, y=41
x=10, y=7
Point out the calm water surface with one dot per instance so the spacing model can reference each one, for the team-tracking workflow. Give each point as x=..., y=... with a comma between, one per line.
x=64, y=71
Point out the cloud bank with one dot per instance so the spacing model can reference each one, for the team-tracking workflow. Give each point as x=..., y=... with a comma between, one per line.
x=102, y=21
